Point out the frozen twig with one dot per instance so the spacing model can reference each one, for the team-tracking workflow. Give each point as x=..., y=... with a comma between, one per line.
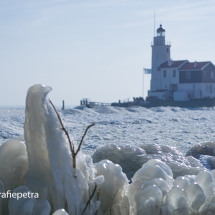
x=71, y=144
x=88, y=202
x=82, y=139
x=63, y=128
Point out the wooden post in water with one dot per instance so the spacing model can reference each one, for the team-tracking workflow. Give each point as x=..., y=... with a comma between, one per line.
x=63, y=105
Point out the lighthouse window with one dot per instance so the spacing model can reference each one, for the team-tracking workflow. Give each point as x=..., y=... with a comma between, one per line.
x=212, y=75
x=167, y=50
x=174, y=73
x=188, y=75
x=205, y=74
x=164, y=73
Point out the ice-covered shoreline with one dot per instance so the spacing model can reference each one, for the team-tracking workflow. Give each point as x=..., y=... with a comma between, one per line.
x=175, y=127
x=137, y=144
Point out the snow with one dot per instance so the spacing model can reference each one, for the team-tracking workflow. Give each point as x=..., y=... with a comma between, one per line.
x=138, y=154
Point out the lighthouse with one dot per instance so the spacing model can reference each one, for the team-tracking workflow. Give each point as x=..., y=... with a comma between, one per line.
x=160, y=54
x=178, y=80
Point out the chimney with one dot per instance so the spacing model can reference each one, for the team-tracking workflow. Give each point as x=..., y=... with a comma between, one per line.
x=195, y=64
x=169, y=62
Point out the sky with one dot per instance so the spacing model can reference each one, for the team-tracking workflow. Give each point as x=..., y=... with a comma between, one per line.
x=95, y=49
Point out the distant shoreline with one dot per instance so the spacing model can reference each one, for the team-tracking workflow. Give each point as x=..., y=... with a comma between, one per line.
x=23, y=106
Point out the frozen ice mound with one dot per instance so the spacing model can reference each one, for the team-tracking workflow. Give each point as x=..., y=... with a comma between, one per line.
x=60, y=212
x=154, y=191
x=13, y=163
x=78, y=110
x=204, y=152
x=103, y=109
x=131, y=158
x=112, y=193
x=202, y=149
x=121, y=154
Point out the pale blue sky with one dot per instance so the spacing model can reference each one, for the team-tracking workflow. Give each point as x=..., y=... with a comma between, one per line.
x=95, y=49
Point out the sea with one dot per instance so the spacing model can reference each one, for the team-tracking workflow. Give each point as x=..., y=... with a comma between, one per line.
x=177, y=127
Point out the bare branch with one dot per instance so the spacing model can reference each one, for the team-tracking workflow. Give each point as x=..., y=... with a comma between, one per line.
x=82, y=139
x=88, y=202
x=71, y=144
x=65, y=131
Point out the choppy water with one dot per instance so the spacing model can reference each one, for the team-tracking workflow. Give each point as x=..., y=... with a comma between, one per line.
x=178, y=127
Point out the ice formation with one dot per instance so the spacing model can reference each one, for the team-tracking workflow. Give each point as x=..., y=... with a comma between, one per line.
x=60, y=212
x=112, y=193
x=50, y=170
x=138, y=155
x=162, y=180
x=121, y=154
x=181, y=187
x=205, y=152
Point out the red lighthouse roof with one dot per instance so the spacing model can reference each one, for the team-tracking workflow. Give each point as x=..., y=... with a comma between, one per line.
x=194, y=65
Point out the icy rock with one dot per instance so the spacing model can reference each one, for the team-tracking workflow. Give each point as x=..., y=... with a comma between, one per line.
x=120, y=154
x=149, y=200
x=206, y=181
x=202, y=149
x=205, y=152
x=127, y=156
x=159, y=149
x=177, y=202
x=112, y=191
x=195, y=196
x=60, y=212
x=131, y=158
x=13, y=163
x=42, y=207
x=22, y=205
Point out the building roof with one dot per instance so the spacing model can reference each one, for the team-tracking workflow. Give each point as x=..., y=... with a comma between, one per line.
x=172, y=63
x=194, y=65
x=184, y=65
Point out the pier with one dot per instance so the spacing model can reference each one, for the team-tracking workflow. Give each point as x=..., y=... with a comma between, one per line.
x=90, y=104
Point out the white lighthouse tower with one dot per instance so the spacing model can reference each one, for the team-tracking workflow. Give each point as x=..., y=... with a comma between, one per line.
x=160, y=54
